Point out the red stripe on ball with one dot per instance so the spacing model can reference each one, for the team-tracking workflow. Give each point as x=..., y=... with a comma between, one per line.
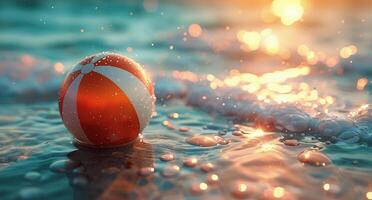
x=106, y=114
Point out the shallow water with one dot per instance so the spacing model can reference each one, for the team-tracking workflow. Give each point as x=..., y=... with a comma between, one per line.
x=215, y=135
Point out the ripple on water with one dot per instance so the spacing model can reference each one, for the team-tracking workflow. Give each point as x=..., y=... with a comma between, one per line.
x=206, y=140
x=314, y=157
x=8, y=119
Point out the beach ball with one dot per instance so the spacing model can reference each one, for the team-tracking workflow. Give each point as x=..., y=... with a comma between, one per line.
x=106, y=100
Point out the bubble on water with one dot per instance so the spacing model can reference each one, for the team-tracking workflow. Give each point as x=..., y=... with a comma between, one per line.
x=80, y=181
x=207, y=167
x=314, y=157
x=190, y=162
x=62, y=166
x=198, y=188
x=212, y=179
x=145, y=171
x=32, y=176
x=167, y=157
x=291, y=142
x=206, y=140
x=31, y=193
x=184, y=129
x=171, y=171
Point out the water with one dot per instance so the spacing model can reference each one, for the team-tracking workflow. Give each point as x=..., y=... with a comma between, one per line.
x=230, y=123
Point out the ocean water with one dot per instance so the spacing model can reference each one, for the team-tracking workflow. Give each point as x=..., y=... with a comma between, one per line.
x=230, y=123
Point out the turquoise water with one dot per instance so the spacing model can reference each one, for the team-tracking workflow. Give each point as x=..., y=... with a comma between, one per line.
x=39, y=160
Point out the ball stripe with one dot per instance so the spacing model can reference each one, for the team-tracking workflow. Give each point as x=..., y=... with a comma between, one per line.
x=106, y=114
x=125, y=64
x=69, y=111
x=65, y=85
x=134, y=89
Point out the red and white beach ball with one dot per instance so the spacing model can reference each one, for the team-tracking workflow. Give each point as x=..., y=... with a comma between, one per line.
x=106, y=100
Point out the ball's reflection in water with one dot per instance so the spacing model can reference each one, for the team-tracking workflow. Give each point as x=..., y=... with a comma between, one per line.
x=113, y=173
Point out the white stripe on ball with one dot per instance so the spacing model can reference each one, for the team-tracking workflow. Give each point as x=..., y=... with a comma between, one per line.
x=69, y=110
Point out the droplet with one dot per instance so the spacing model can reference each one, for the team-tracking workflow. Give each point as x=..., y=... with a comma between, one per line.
x=369, y=195
x=184, y=129
x=207, y=167
x=198, y=188
x=145, y=171
x=237, y=133
x=314, y=157
x=212, y=178
x=291, y=142
x=332, y=187
x=168, y=124
x=62, y=166
x=205, y=140
x=173, y=116
x=167, y=157
x=190, y=162
x=31, y=193
x=32, y=176
x=326, y=186
x=240, y=190
x=171, y=171
x=278, y=192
